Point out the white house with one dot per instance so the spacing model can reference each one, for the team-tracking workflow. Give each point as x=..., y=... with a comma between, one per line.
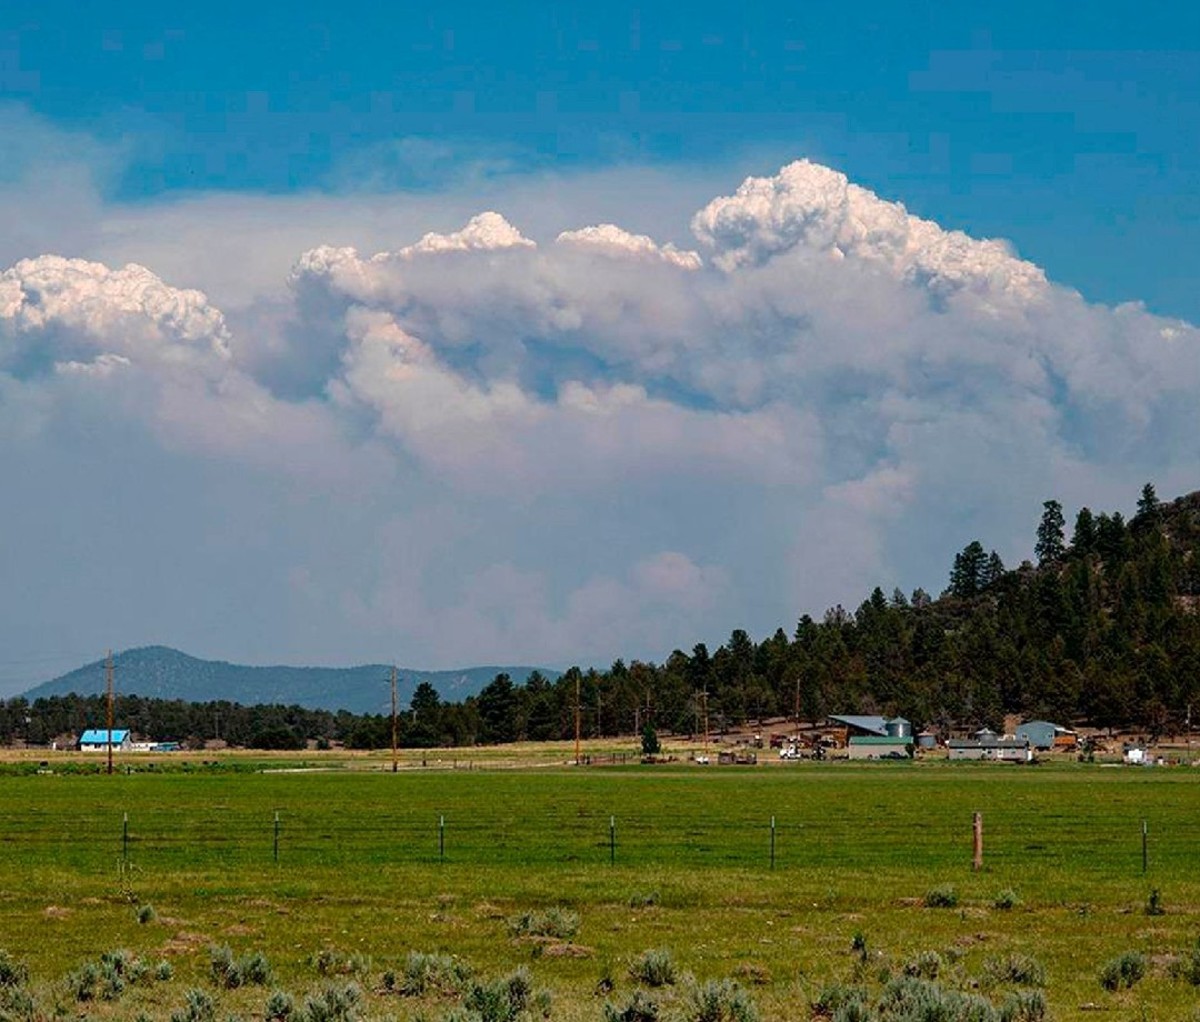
x=98, y=739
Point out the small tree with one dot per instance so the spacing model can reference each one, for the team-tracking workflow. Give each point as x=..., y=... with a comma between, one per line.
x=650, y=743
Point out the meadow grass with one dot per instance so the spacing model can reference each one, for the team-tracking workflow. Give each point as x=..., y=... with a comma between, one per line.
x=858, y=848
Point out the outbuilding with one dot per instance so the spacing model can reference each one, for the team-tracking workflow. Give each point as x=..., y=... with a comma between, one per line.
x=99, y=739
x=995, y=748
x=880, y=747
x=1044, y=735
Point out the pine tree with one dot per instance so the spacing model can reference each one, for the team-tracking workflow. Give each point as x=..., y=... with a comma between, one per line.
x=1051, y=541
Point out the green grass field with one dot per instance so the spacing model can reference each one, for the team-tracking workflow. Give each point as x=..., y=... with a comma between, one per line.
x=857, y=847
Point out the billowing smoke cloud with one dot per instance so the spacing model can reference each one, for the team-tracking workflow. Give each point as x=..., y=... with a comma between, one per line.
x=603, y=445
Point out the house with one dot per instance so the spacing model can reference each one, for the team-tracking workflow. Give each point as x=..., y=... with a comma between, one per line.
x=881, y=747
x=97, y=740
x=1042, y=734
x=993, y=747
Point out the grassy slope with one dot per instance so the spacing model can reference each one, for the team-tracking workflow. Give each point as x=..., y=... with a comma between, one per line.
x=857, y=847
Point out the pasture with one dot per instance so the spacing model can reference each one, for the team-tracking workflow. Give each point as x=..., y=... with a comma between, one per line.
x=365, y=869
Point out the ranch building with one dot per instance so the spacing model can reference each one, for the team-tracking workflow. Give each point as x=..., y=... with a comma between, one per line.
x=880, y=747
x=98, y=739
x=995, y=748
x=1044, y=735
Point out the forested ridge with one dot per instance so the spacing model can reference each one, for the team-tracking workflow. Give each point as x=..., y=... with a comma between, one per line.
x=1101, y=627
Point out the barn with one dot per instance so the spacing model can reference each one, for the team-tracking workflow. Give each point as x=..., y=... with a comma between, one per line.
x=1042, y=734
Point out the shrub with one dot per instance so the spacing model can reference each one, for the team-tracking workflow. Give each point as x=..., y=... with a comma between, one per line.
x=334, y=1003
x=1154, y=903
x=164, y=971
x=944, y=896
x=198, y=1006
x=835, y=996
x=1006, y=900
x=82, y=983
x=12, y=972
x=643, y=899
x=855, y=1011
x=507, y=998
x=17, y=1005
x=719, y=1000
x=1188, y=966
x=1022, y=970
x=331, y=962
x=251, y=969
x=639, y=1008
x=1024, y=1006
x=146, y=914
x=424, y=973
x=909, y=998
x=927, y=965
x=279, y=1006
x=1123, y=971
x=752, y=972
x=655, y=968
x=561, y=923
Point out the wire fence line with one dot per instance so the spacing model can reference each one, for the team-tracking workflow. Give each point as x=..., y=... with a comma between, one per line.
x=297, y=839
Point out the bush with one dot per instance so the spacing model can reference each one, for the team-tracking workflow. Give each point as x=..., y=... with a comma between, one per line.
x=17, y=1005
x=507, y=999
x=1006, y=900
x=909, y=999
x=335, y=1003
x=560, y=923
x=279, y=1006
x=12, y=972
x=1022, y=970
x=944, y=896
x=198, y=1006
x=639, y=1008
x=1154, y=903
x=719, y=1000
x=655, y=968
x=251, y=969
x=164, y=971
x=331, y=962
x=1123, y=971
x=1188, y=967
x=146, y=914
x=424, y=973
x=927, y=965
x=1024, y=1006
x=835, y=996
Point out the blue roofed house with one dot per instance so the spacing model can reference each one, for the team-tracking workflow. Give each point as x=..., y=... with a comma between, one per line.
x=96, y=739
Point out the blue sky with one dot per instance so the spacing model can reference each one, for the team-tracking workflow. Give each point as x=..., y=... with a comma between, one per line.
x=1072, y=129
x=509, y=443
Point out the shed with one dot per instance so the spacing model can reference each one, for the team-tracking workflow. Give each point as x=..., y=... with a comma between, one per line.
x=1003, y=750
x=1043, y=734
x=927, y=740
x=98, y=739
x=880, y=747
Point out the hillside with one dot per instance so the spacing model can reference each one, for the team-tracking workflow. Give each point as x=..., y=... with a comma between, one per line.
x=164, y=673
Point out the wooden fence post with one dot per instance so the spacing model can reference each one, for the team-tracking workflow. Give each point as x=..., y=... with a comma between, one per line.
x=977, y=829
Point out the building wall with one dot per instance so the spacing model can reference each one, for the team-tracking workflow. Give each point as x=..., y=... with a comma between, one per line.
x=879, y=750
x=1040, y=735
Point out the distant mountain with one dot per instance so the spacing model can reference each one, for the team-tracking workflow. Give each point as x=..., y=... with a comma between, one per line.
x=164, y=673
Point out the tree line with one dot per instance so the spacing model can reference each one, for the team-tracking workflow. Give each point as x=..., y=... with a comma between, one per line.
x=1103, y=629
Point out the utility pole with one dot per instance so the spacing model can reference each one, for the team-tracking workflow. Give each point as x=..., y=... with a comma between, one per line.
x=577, y=720
x=108, y=685
x=395, y=765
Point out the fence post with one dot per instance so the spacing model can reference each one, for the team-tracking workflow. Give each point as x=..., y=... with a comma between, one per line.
x=977, y=828
x=441, y=839
x=276, y=844
x=612, y=840
x=772, y=842
x=1145, y=851
x=125, y=839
